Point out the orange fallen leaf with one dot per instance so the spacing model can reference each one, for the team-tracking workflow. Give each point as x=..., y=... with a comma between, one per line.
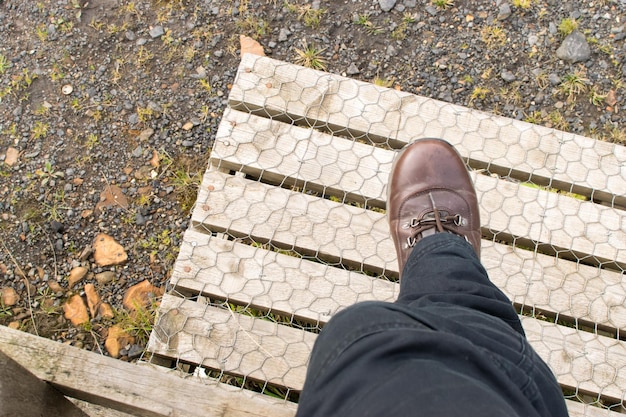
x=139, y=295
x=611, y=98
x=9, y=296
x=11, y=156
x=116, y=340
x=107, y=251
x=75, y=310
x=250, y=46
x=105, y=311
x=76, y=275
x=93, y=299
x=155, y=159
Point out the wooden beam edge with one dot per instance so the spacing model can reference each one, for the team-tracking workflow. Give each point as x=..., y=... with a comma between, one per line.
x=126, y=387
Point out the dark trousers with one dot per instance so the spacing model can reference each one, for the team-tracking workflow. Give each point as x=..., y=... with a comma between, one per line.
x=451, y=345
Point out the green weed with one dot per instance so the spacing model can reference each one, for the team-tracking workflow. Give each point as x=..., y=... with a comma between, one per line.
x=443, y=4
x=573, y=84
x=4, y=64
x=307, y=14
x=364, y=20
x=522, y=4
x=311, y=57
x=567, y=26
x=493, y=36
x=40, y=130
x=139, y=322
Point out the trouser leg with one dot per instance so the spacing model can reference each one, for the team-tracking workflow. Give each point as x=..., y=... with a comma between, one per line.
x=451, y=344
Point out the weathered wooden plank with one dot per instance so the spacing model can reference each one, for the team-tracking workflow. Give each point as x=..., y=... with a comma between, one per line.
x=253, y=276
x=235, y=343
x=548, y=156
x=576, y=409
x=138, y=390
x=295, y=220
x=271, y=352
x=335, y=230
x=578, y=359
x=22, y=394
x=291, y=154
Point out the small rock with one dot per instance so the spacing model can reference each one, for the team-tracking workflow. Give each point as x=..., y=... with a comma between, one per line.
x=76, y=275
x=283, y=35
x=431, y=10
x=140, y=295
x=9, y=296
x=504, y=12
x=139, y=219
x=75, y=310
x=15, y=325
x=508, y=76
x=386, y=5
x=135, y=351
x=532, y=40
x=130, y=35
x=107, y=251
x=138, y=151
x=187, y=143
x=157, y=31
x=353, y=69
x=188, y=126
x=574, y=48
x=11, y=156
x=554, y=79
x=105, y=277
x=57, y=227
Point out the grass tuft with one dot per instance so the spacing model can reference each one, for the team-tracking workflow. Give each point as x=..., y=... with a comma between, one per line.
x=567, y=26
x=310, y=56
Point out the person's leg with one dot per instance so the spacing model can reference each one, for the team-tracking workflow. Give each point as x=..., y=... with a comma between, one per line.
x=452, y=343
x=426, y=354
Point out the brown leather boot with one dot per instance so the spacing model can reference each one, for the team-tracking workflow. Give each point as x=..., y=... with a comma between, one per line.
x=430, y=191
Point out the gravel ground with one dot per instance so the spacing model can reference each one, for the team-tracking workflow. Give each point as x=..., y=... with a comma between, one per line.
x=126, y=96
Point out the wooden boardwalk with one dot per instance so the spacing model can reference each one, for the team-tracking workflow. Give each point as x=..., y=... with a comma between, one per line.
x=289, y=228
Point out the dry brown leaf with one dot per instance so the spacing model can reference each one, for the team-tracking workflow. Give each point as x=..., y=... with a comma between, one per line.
x=112, y=196
x=116, y=340
x=105, y=311
x=75, y=310
x=139, y=295
x=107, y=251
x=611, y=98
x=11, y=157
x=250, y=46
x=9, y=296
x=155, y=159
x=93, y=299
x=76, y=275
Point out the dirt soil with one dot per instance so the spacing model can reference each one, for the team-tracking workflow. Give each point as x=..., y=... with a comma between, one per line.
x=108, y=110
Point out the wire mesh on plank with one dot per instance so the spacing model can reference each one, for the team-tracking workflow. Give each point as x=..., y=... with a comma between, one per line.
x=290, y=228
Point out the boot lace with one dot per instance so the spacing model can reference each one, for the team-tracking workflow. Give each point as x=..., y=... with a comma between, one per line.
x=442, y=221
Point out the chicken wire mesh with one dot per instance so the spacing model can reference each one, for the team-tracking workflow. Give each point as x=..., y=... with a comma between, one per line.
x=289, y=228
